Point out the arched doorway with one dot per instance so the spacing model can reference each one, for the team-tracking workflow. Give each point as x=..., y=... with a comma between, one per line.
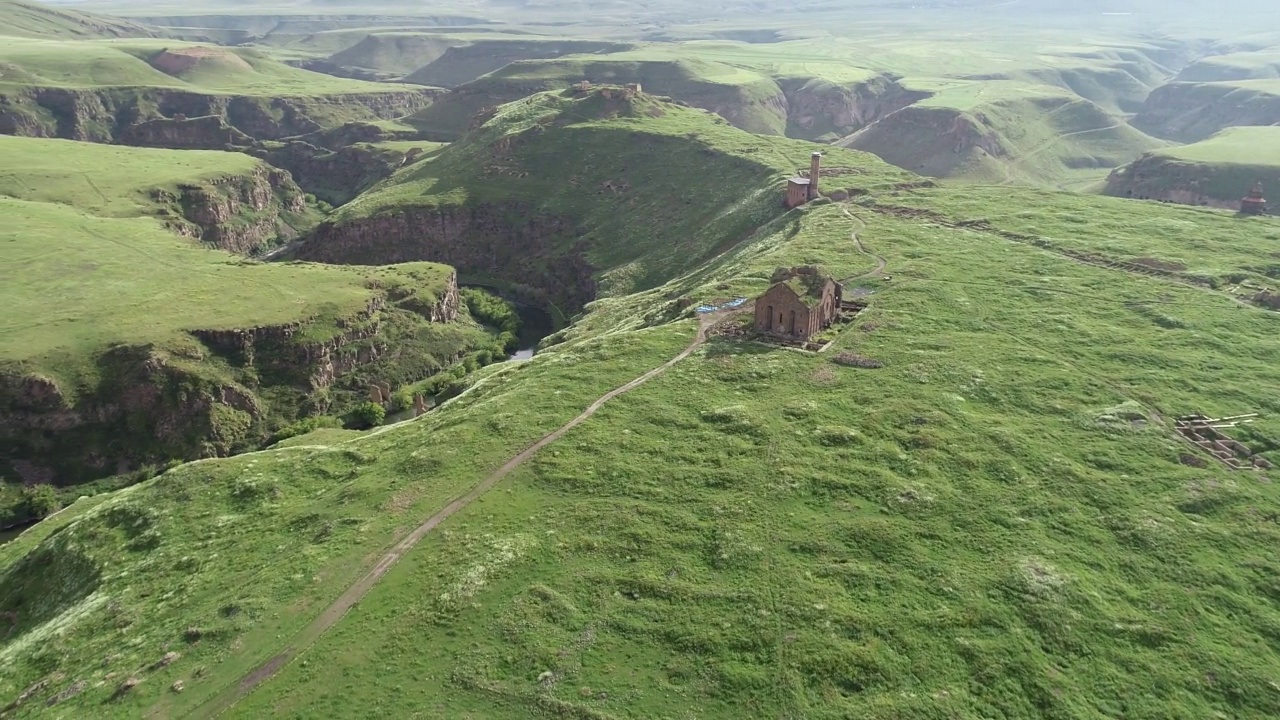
x=791, y=327
x=769, y=323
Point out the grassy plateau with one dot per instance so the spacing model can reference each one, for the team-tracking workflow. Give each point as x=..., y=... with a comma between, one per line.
x=998, y=522
x=974, y=504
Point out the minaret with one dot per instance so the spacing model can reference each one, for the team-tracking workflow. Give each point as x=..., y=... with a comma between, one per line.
x=1254, y=203
x=815, y=169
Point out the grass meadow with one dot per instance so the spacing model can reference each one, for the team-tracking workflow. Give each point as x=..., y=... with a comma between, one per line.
x=996, y=523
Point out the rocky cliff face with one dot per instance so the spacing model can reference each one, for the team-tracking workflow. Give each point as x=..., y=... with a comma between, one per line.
x=821, y=110
x=1159, y=177
x=148, y=408
x=109, y=114
x=151, y=405
x=335, y=176
x=242, y=214
x=205, y=133
x=510, y=243
x=1190, y=112
x=809, y=108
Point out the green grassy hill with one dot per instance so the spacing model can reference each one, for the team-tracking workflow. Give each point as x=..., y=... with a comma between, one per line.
x=996, y=522
x=163, y=63
x=462, y=63
x=1257, y=65
x=826, y=91
x=752, y=102
x=1005, y=133
x=972, y=505
x=394, y=51
x=34, y=20
x=109, y=91
x=1189, y=112
x=1216, y=172
x=141, y=345
x=561, y=192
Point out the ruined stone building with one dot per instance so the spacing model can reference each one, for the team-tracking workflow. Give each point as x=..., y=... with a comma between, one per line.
x=801, y=190
x=1254, y=203
x=801, y=302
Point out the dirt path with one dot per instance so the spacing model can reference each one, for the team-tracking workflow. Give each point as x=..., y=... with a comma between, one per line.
x=335, y=612
x=1020, y=161
x=881, y=263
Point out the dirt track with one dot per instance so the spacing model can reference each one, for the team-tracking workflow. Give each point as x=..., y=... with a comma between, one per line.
x=353, y=594
x=881, y=263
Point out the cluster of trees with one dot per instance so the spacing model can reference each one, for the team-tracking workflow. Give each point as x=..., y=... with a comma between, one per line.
x=20, y=506
x=491, y=310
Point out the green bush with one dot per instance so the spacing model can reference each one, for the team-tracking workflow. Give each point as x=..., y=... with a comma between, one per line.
x=41, y=501
x=365, y=416
x=493, y=311
x=306, y=425
x=28, y=504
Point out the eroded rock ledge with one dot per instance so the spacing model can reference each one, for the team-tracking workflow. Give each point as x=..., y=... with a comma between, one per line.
x=239, y=213
x=511, y=243
x=148, y=404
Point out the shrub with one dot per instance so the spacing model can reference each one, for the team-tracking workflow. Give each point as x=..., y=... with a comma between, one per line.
x=40, y=501
x=496, y=313
x=304, y=426
x=367, y=415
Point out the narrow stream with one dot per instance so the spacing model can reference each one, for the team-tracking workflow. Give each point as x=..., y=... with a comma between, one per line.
x=534, y=326
x=11, y=533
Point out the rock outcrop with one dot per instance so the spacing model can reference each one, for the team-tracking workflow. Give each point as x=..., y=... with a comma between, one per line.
x=151, y=405
x=821, y=110
x=810, y=108
x=109, y=114
x=148, y=407
x=1168, y=179
x=243, y=214
x=205, y=133
x=335, y=176
x=514, y=244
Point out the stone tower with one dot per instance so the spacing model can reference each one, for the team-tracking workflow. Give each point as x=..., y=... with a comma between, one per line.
x=815, y=169
x=1254, y=203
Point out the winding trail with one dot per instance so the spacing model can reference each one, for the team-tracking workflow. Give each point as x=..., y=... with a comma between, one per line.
x=881, y=263
x=1021, y=160
x=307, y=636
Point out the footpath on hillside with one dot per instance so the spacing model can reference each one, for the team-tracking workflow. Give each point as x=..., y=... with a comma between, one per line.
x=307, y=636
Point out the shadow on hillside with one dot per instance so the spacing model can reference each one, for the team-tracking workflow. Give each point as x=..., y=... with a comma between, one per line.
x=50, y=580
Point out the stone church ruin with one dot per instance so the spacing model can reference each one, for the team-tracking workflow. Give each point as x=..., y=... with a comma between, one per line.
x=801, y=302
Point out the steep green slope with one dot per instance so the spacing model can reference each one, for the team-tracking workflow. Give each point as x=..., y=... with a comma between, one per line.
x=574, y=195
x=1189, y=112
x=997, y=522
x=463, y=63
x=163, y=63
x=1004, y=132
x=1217, y=172
x=393, y=51
x=752, y=102
x=138, y=345
x=1117, y=80
x=1257, y=65
x=34, y=20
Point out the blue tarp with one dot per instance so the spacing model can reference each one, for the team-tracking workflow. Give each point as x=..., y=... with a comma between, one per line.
x=704, y=309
